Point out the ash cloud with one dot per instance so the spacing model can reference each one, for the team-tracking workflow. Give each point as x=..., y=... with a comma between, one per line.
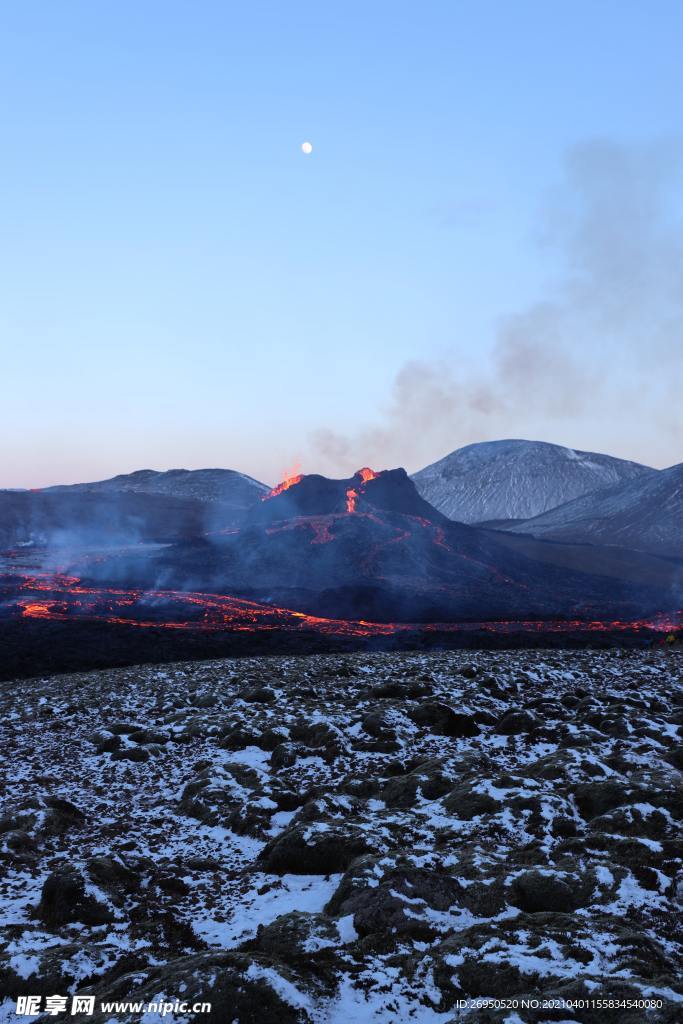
x=595, y=363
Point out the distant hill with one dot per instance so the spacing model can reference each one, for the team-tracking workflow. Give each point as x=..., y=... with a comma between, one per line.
x=222, y=486
x=515, y=479
x=79, y=519
x=645, y=514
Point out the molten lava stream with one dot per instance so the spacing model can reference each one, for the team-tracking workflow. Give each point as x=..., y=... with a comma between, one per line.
x=352, y=494
x=58, y=596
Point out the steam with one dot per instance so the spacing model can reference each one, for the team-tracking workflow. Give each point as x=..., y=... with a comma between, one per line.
x=594, y=364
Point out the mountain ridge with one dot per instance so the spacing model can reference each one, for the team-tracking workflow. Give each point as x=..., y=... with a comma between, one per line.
x=216, y=485
x=517, y=479
x=643, y=514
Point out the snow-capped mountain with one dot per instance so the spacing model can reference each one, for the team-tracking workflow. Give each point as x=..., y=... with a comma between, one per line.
x=224, y=486
x=515, y=479
x=645, y=513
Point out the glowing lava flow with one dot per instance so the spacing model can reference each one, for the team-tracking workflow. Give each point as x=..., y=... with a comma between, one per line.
x=61, y=598
x=365, y=474
x=318, y=526
x=291, y=478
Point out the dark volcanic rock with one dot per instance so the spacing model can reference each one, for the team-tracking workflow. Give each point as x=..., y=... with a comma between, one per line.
x=112, y=875
x=293, y=934
x=355, y=848
x=131, y=754
x=465, y=802
x=303, y=850
x=443, y=720
x=427, y=780
x=63, y=899
x=240, y=987
x=516, y=722
x=538, y=891
x=594, y=798
x=496, y=980
x=284, y=755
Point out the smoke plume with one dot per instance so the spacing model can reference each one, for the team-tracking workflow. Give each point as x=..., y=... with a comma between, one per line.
x=596, y=363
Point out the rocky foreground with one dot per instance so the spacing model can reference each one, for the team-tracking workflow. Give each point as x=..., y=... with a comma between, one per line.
x=357, y=838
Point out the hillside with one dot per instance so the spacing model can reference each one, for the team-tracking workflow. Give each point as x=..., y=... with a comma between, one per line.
x=513, y=479
x=645, y=514
x=224, y=486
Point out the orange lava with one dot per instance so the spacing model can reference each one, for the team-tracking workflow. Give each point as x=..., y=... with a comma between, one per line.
x=318, y=526
x=291, y=477
x=37, y=610
x=365, y=474
x=66, y=598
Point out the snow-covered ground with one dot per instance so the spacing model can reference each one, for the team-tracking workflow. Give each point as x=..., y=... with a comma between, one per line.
x=358, y=838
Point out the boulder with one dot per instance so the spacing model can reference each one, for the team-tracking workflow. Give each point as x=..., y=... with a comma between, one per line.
x=427, y=780
x=112, y=875
x=537, y=892
x=596, y=798
x=305, y=850
x=260, y=695
x=63, y=899
x=465, y=802
x=443, y=720
x=515, y=723
x=131, y=754
x=296, y=933
x=284, y=755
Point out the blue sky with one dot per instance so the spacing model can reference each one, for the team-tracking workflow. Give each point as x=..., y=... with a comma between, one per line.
x=181, y=286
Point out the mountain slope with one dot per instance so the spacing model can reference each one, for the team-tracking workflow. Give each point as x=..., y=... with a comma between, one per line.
x=516, y=479
x=78, y=519
x=645, y=514
x=369, y=547
x=223, y=486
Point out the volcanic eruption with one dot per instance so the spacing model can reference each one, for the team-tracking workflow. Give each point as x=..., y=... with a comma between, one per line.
x=357, y=559
x=369, y=547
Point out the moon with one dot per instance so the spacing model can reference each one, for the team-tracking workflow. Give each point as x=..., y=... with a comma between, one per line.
x=306, y=148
